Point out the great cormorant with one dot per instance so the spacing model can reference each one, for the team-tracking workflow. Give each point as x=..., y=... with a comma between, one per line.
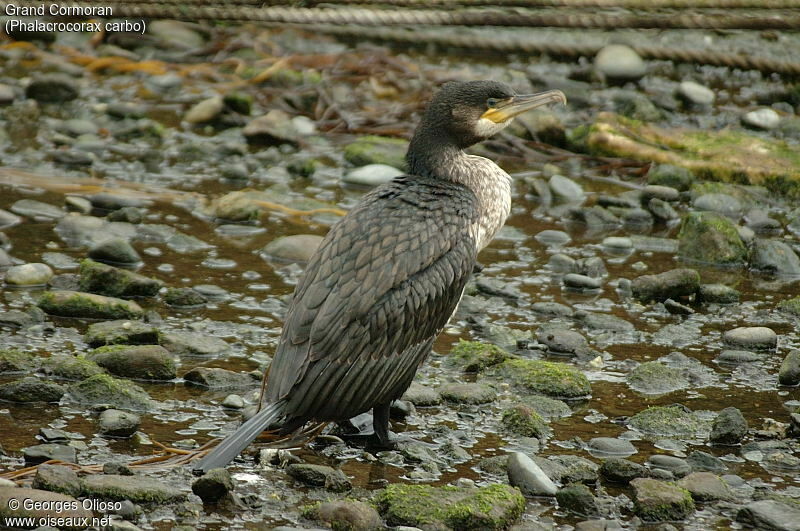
x=388, y=276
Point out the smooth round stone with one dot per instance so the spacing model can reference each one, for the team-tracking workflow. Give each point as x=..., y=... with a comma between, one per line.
x=762, y=119
x=371, y=175
x=619, y=62
x=696, y=93
x=116, y=423
x=619, y=243
x=565, y=188
x=753, y=337
x=609, y=446
x=553, y=237
x=34, y=274
x=574, y=280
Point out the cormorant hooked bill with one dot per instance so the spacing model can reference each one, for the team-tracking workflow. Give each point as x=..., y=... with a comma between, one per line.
x=389, y=275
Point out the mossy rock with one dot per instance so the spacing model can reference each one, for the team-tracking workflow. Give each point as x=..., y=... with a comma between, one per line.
x=121, y=332
x=660, y=501
x=13, y=360
x=790, y=306
x=653, y=377
x=670, y=421
x=115, y=282
x=727, y=155
x=556, y=380
x=88, y=305
x=373, y=149
x=105, y=389
x=549, y=408
x=31, y=389
x=71, y=367
x=669, y=175
x=524, y=421
x=345, y=515
x=474, y=356
x=710, y=238
x=432, y=508
x=145, y=362
x=134, y=488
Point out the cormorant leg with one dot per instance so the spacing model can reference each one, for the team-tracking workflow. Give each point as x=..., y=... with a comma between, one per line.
x=380, y=422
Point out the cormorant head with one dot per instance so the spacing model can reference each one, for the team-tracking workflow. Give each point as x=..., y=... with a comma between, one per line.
x=467, y=112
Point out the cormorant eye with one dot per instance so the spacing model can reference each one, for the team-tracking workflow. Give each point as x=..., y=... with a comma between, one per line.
x=492, y=102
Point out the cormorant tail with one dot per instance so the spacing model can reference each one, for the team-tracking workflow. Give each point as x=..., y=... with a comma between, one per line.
x=233, y=444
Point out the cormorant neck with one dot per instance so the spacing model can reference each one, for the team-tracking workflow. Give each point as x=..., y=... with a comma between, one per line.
x=433, y=156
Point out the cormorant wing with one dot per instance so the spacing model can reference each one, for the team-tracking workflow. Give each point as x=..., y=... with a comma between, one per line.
x=381, y=286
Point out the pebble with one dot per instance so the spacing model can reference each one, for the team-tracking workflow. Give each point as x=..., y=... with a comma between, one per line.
x=770, y=514
x=34, y=274
x=115, y=251
x=295, y=248
x=116, y=423
x=751, y=337
x=52, y=88
x=665, y=193
x=619, y=243
x=729, y=427
x=7, y=94
x=582, y=282
x=724, y=204
x=618, y=61
x=371, y=175
x=677, y=466
x=204, y=111
x=696, y=93
x=610, y=446
x=762, y=119
x=233, y=402
x=553, y=238
x=525, y=474
x=36, y=209
x=566, y=189
x=789, y=373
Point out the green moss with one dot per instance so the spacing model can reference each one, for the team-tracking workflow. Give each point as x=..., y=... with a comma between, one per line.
x=791, y=306
x=491, y=507
x=474, y=356
x=240, y=102
x=557, y=380
x=137, y=489
x=13, y=360
x=522, y=420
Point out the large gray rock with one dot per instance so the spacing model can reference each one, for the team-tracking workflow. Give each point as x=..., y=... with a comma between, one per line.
x=710, y=238
x=32, y=274
x=658, y=501
x=770, y=514
x=775, y=257
x=526, y=475
x=619, y=62
x=668, y=285
x=729, y=427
